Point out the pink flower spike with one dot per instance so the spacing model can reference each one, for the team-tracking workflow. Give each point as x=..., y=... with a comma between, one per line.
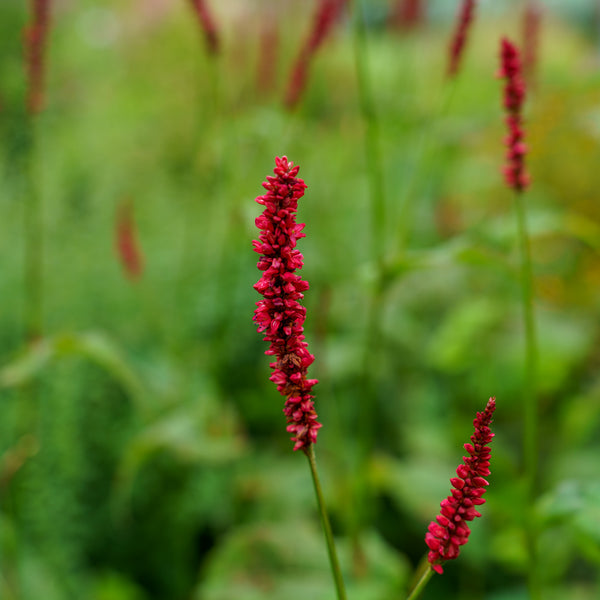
x=449, y=530
x=34, y=41
x=465, y=16
x=126, y=242
x=279, y=314
x=514, y=96
x=407, y=14
x=328, y=12
x=207, y=24
x=531, y=33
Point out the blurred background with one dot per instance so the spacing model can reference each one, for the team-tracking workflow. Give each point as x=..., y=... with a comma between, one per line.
x=143, y=451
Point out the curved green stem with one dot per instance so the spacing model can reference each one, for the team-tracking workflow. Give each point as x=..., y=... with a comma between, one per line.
x=531, y=432
x=420, y=585
x=331, y=550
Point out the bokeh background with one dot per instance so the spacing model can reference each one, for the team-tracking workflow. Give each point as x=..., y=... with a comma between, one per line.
x=143, y=451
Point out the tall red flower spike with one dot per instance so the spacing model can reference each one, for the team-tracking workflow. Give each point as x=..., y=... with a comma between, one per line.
x=207, y=25
x=280, y=314
x=325, y=18
x=34, y=41
x=465, y=16
x=268, y=53
x=450, y=531
x=532, y=18
x=514, y=96
x=126, y=242
x=407, y=14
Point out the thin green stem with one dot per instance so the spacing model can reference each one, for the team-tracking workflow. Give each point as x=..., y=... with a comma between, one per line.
x=375, y=180
x=531, y=430
x=33, y=226
x=331, y=550
x=420, y=585
x=420, y=164
x=372, y=133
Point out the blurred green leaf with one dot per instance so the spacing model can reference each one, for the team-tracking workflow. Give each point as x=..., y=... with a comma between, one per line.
x=289, y=560
x=94, y=346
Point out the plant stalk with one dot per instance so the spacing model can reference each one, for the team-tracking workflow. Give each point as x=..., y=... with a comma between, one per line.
x=531, y=429
x=376, y=187
x=33, y=249
x=372, y=133
x=331, y=550
x=420, y=585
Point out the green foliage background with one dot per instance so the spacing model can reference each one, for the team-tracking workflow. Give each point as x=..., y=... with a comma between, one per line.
x=143, y=453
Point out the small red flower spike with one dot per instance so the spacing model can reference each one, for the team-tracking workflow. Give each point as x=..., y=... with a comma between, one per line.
x=532, y=20
x=207, y=25
x=325, y=18
x=280, y=314
x=514, y=96
x=450, y=531
x=34, y=41
x=127, y=244
x=465, y=16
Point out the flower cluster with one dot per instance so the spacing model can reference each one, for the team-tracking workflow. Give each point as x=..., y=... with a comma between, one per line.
x=459, y=38
x=449, y=531
x=207, y=24
x=327, y=14
x=514, y=96
x=34, y=41
x=280, y=314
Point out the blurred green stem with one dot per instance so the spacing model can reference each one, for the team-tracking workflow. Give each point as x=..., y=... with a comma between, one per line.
x=421, y=583
x=372, y=136
x=333, y=559
x=531, y=433
x=33, y=250
x=374, y=167
x=421, y=163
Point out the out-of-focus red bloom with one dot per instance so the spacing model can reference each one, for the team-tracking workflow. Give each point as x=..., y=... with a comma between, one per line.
x=465, y=17
x=450, y=531
x=407, y=14
x=126, y=242
x=532, y=18
x=280, y=314
x=207, y=24
x=267, y=55
x=325, y=18
x=514, y=96
x=34, y=41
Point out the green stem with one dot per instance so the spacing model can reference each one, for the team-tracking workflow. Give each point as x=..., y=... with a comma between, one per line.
x=531, y=432
x=333, y=559
x=375, y=179
x=33, y=225
x=420, y=585
x=372, y=136
x=421, y=163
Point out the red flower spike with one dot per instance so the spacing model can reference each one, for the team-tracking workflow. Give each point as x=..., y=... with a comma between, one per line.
x=465, y=16
x=325, y=18
x=514, y=96
x=207, y=24
x=268, y=53
x=127, y=244
x=531, y=32
x=407, y=14
x=34, y=42
x=280, y=314
x=449, y=531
